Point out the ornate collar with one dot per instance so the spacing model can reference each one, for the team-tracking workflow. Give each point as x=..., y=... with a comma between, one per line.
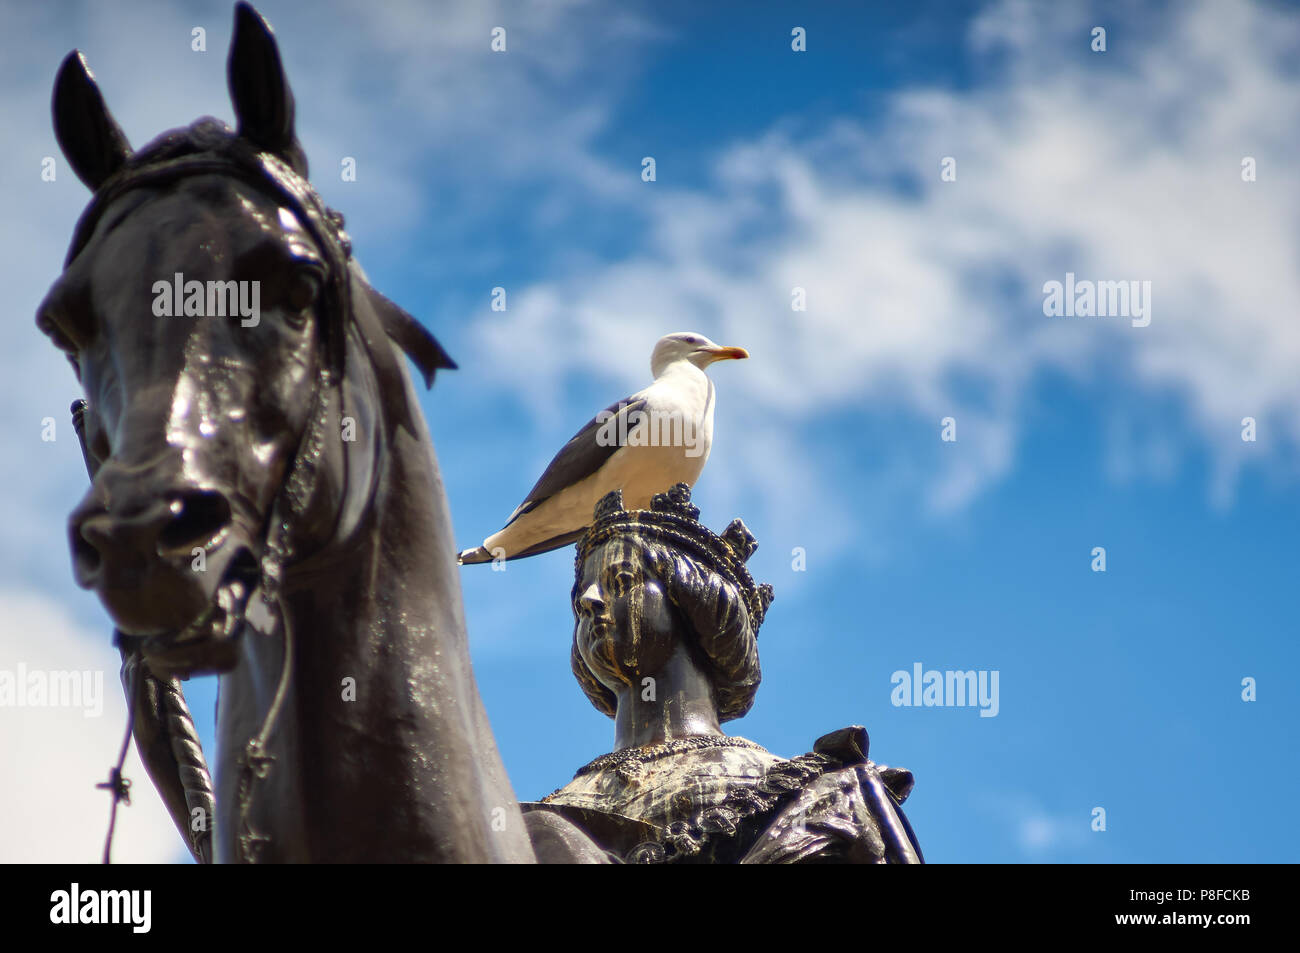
x=630, y=757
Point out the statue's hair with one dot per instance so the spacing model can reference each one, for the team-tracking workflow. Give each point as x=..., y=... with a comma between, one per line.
x=724, y=613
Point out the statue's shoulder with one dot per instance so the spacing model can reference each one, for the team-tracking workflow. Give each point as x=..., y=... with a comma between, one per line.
x=655, y=794
x=736, y=802
x=849, y=811
x=849, y=746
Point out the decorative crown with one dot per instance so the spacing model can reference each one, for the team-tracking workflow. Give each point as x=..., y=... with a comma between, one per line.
x=674, y=519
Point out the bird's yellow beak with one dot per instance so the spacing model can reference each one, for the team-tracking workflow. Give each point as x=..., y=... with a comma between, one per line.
x=728, y=354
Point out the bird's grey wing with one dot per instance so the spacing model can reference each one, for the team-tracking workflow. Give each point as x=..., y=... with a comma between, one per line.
x=579, y=458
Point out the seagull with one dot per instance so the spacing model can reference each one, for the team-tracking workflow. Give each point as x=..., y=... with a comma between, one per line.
x=642, y=445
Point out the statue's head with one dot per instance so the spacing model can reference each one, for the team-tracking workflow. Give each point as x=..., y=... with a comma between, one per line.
x=649, y=581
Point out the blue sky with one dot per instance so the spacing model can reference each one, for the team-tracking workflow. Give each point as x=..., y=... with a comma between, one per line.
x=776, y=169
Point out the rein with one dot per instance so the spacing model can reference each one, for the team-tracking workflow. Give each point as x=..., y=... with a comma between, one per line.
x=281, y=182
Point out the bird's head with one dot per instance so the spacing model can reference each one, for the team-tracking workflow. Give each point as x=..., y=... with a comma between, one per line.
x=692, y=347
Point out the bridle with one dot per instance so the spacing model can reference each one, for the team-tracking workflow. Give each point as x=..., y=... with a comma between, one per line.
x=280, y=181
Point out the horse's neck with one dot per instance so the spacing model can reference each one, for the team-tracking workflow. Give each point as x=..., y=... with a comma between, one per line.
x=383, y=748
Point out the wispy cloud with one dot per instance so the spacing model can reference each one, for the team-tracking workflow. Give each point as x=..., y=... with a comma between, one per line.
x=55, y=756
x=1039, y=833
x=926, y=301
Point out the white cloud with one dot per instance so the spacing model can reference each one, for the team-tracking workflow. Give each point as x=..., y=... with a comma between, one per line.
x=54, y=757
x=927, y=302
x=1039, y=833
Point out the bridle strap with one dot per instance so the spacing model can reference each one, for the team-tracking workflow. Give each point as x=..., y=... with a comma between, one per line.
x=295, y=493
x=269, y=174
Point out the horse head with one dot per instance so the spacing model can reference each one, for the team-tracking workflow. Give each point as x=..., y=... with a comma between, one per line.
x=237, y=365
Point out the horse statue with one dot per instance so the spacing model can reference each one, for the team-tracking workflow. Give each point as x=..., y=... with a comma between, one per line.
x=265, y=503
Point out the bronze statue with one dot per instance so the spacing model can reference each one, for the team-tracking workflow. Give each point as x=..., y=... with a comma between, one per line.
x=666, y=644
x=232, y=526
x=266, y=505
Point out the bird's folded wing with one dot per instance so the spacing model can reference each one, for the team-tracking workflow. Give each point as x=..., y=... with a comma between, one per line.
x=581, y=456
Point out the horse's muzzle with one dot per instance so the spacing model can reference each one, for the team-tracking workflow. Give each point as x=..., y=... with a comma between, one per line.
x=208, y=644
x=171, y=566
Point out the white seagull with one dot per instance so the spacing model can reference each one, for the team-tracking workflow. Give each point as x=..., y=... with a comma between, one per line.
x=642, y=445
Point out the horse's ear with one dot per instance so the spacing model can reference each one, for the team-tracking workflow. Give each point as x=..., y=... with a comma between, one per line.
x=411, y=336
x=258, y=87
x=88, y=134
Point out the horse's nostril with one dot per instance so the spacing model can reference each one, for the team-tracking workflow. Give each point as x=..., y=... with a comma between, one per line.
x=197, y=517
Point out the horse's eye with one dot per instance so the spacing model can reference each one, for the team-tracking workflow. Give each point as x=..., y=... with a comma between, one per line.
x=304, y=289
